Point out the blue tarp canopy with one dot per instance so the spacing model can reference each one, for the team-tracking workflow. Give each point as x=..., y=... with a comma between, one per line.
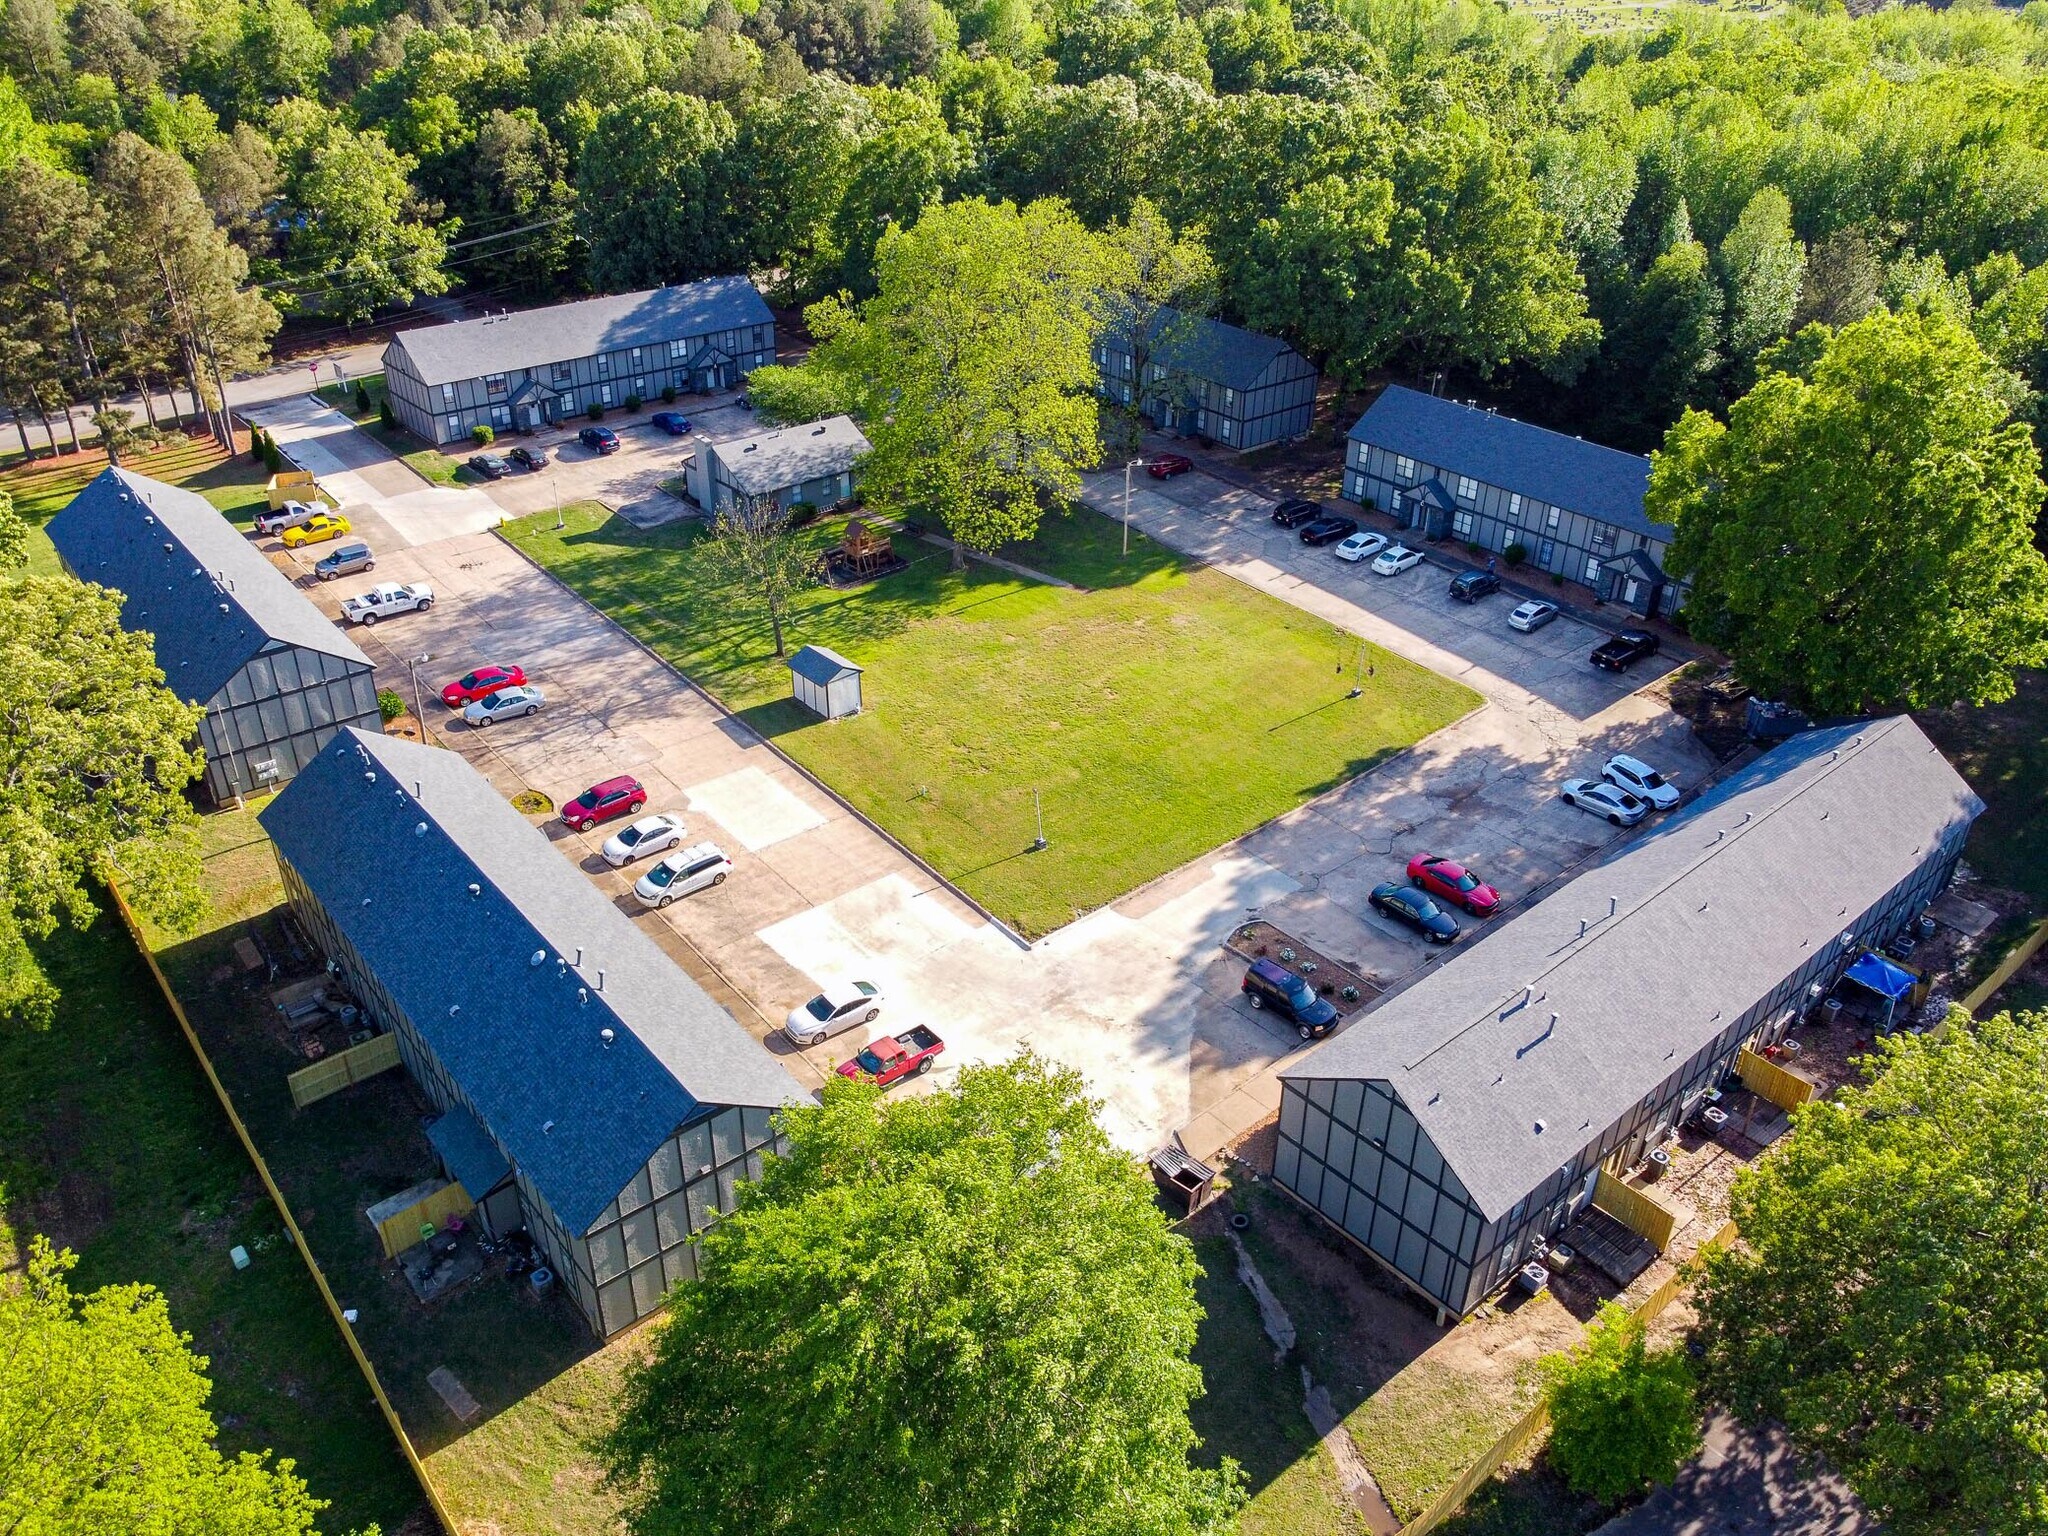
x=1876, y=974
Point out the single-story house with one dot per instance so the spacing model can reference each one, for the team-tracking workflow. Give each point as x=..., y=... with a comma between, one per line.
x=1448, y=469
x=1211, y=379
x=815, y=462
x=585, y=1087
x=229, y=629
x=1469, y=1117
x=522, y=370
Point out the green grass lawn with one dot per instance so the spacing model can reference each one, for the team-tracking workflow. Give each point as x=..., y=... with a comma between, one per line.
x=1158, y=684
x=113, y=1144
x=43, y=488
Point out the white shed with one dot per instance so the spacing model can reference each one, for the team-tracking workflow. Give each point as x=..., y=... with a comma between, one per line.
x=825, y=682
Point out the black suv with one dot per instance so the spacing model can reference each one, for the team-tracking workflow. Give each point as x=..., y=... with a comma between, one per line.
x=1470, y=586
x=1292, y=514
x=1270, y=985
x=1619, y=651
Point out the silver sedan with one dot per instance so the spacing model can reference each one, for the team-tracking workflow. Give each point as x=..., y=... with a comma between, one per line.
x=503, y=705
x=648, y=835
x=1597, y=797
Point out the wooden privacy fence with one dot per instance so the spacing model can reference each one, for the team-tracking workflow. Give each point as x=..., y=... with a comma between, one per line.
x=1767, y=1080
x=2007, y=968
x=284, y=1211
x=343, y=1069
x=1638, y=1210
x=1537, y=1419
x=400, y=1229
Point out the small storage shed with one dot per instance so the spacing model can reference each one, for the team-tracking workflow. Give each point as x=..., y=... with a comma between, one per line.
x=825, y=682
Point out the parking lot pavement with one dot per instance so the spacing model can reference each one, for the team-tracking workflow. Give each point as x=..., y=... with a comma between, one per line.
x=628, y=481
x=1411, y=614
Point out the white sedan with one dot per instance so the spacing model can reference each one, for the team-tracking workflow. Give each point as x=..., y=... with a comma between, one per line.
x=1597, y=797
x=837, y=1008
x=650, y=834
x=1393, y=561
x=1362, y=545
x=503, y=705
x=1640, y=780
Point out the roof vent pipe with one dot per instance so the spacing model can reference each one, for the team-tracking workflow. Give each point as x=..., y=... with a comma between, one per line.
x=579, y=956
x=600, y=980
x=1613, y=904
x=1582, y=927
x=607, y=1036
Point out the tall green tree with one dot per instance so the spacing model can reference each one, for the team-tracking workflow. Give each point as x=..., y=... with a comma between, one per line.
x=1885, y=1303
x=103, y=1422
x=1621, y=1414
x=750, y=549
x=652, y=194
x=1860, y=536
x=971, y=367
x=95, y=754
x=1762, y=267
x=956, y=1312
x=893, y=175
x=1155, y=290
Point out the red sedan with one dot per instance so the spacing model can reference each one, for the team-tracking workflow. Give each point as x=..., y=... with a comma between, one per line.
x=622, y=796
x=484, y=680
x=1448, y=880
x=1167, y=465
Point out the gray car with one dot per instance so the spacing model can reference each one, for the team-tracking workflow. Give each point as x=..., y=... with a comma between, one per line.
x=346, y=561
x=1532, y=615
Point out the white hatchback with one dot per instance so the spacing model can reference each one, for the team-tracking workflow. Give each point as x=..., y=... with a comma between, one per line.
x=648, y=835
x=838, y=1008
x=1399, y=558
x=696, y=868
x=1362, y=545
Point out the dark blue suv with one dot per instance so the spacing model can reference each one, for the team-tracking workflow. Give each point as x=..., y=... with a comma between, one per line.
x=1269, y=985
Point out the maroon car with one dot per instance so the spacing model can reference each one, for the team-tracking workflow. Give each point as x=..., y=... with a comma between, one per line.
x=613, y=798
x=1448, y=880
x=483, y=681
x=1167, y=465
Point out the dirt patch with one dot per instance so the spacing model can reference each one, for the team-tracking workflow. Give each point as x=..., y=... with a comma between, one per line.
x=1349, y=987
x=1708, y=696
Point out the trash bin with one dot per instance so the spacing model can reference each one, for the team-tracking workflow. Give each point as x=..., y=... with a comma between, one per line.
x=1183, y=1181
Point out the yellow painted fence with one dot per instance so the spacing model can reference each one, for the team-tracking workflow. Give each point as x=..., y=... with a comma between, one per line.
x=2008, y=968
x=291, y=1225
x=1767, y=1080
x=309, y=1085
x=399, y=1231
x=1638, y=1210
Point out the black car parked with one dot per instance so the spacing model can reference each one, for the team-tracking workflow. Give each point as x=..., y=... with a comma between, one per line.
x=1292, y=514
x=489, y=465
x=1620, y=651
x=1405, y=904
x=529, y=458
x=1268, y=984
x=1470, y=586
x=603, y=439
x=1328, y=530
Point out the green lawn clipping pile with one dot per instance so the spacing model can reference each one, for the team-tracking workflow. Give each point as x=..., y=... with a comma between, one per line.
x=1157, y=707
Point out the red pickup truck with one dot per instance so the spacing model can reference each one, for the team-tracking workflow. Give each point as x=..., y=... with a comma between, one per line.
x=890, y=1060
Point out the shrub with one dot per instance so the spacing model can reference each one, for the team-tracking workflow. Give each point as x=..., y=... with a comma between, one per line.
x=482, y=435
x=362, y=399
x=272, y=459
x=596, y=411
x=1515, y=554
x=386, y=417
x=1474, y=548
x=668, y=394
x=1557, y=578
x=632, y=402
x=802, y=513
x=1621, y=1416
x=390, y=704
x=256, y=444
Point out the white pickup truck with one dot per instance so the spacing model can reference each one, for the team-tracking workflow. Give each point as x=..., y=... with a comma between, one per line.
x=385, y=599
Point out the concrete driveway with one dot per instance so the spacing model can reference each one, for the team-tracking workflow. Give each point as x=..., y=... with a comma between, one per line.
x=1137, y=996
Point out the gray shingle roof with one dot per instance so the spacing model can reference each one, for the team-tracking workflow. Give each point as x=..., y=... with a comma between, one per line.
x=472, y=1158
x=1714, y=909
x=1561, y=471
x=789, y=456
x=532, y=338
x=820, y=664
x=210, y=600
x=449, y=918
x=1214, y=349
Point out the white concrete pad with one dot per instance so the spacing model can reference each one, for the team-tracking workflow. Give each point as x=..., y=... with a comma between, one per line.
x=754, y=808
x=1197, y=921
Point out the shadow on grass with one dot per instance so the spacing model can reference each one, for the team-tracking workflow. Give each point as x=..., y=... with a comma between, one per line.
x=1525, y=1501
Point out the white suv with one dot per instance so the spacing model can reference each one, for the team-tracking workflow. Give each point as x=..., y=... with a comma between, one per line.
x=1640, y=780
x=695, y=868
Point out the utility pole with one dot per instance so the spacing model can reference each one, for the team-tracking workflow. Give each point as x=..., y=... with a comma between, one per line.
x=1038, y=810
x=1127, y=511
x=419, y=708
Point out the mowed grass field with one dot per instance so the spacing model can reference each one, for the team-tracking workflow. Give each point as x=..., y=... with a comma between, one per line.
x=1156, y=707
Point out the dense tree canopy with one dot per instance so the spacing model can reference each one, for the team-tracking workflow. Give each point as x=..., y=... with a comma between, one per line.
x=954, y=1312
x=1859, y=534
x=1621, y=1413
x=103, y=1422
x=1886, y=1301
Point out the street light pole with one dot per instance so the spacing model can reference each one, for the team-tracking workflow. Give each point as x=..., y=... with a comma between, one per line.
x=1127, y=502
x=412, y=667
x=1039, y=811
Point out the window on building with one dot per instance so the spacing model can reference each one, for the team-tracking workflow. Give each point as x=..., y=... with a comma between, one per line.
x=1461, y=524
x=501, y=415
x=494, y=383
x=1603, y=537
x=1230, y=399
x=1226, y=429
x=568, y=404
x=447, y=394
x=1593, y=571
x=604, y=365
x=604, y=394
x=1514, y=506
x=454, y=426
x=640, y=388
x=1358, y=488
x=1551, y=520
x=636, y=357
x=1404, y=467
x=1124, y=392
x=1467, y=487
x=759, y=338
x=678, y=350
x=564, y=372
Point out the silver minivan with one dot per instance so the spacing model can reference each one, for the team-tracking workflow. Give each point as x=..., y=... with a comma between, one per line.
x=346, y=561
x=691, y=869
